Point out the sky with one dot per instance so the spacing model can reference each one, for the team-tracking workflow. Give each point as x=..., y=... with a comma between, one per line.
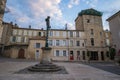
x=62, y=12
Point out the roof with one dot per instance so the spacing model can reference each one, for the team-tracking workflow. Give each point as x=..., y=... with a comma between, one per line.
x=44, y=30
x=114, y=15
x=90, y=11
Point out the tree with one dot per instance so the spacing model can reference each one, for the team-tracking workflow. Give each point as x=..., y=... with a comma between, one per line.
x=112, y=53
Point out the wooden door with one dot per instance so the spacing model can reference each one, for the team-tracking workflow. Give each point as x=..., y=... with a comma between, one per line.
x=21, y=53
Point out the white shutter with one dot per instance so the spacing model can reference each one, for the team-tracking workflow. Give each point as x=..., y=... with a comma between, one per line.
x=40, y=45
x=53, y=33
x=11, y=38
x=61, y=43
x=41, y=33
x=66, y=53
x=34, y=45
x=64, y=34
x=54, y=52
x=61, y=53
x=74, y=42
x=79, y=34
x=68, y=34
x=74, y=34
x=54, y=42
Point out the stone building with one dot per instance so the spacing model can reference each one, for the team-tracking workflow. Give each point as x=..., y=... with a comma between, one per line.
x=90, y=22
x=65, y=44
x=86, y=42
x=114, y=23
x=2, y=10
x=108, y=38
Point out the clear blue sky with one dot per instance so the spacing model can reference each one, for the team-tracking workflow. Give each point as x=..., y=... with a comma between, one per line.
x=34, y=12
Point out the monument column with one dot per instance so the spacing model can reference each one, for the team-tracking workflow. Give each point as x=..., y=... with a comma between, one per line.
x=46, y=55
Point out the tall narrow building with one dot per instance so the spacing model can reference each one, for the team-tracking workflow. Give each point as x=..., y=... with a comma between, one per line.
x=90, y=21
x=114, y=23
x=2, y=9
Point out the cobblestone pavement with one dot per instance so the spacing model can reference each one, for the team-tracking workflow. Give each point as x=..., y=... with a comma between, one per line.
x=76, y=71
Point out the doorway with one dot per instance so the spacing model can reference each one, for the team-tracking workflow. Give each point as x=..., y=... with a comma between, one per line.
x=94, y=55
x=78, y=55
x=71, y=55
x=102, y=55
x=21, y=54
x=37, y=54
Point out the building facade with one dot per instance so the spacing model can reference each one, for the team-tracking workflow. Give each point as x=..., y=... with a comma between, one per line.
x=2, y=10
x=90, y=21
x=86, y=42
x=114, y=23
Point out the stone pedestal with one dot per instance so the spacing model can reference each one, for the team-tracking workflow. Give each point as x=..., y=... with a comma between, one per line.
x=45, y=64
x=46, y=56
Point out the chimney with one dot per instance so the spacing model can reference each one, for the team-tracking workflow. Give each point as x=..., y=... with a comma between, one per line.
x=42, y=29
x=11, y=23
x=15, y=25
x=29, y=26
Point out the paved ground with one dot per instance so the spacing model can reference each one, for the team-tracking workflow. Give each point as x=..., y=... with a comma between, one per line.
x=76, y=71
x=106, y=66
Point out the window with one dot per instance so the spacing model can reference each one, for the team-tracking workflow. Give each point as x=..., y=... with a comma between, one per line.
x=64, y=34
x=18, y=39
x=34, y=33
x=77, y=43
x=100, y=33
x=88, y=20
x=92, y=32
x=92, y=41
x=50, y=33
x=64, y=42
x=107, y=35
x=107, y=42
x=37, y=45
x=64, y=53
x=14, y=32
x=23, y=39
x=57, y=33
x=37, y=50
x=78, y=53
x=14, y=39
x=71, y=42
x=20, y=32
x=77, y=34
x=71, y=34
x=39, y=33
x=57, y=53
x=83, y=44
x=50, y=42
x=83, y=53
x=25, y=32
x=57, y=42
x=30, y=33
